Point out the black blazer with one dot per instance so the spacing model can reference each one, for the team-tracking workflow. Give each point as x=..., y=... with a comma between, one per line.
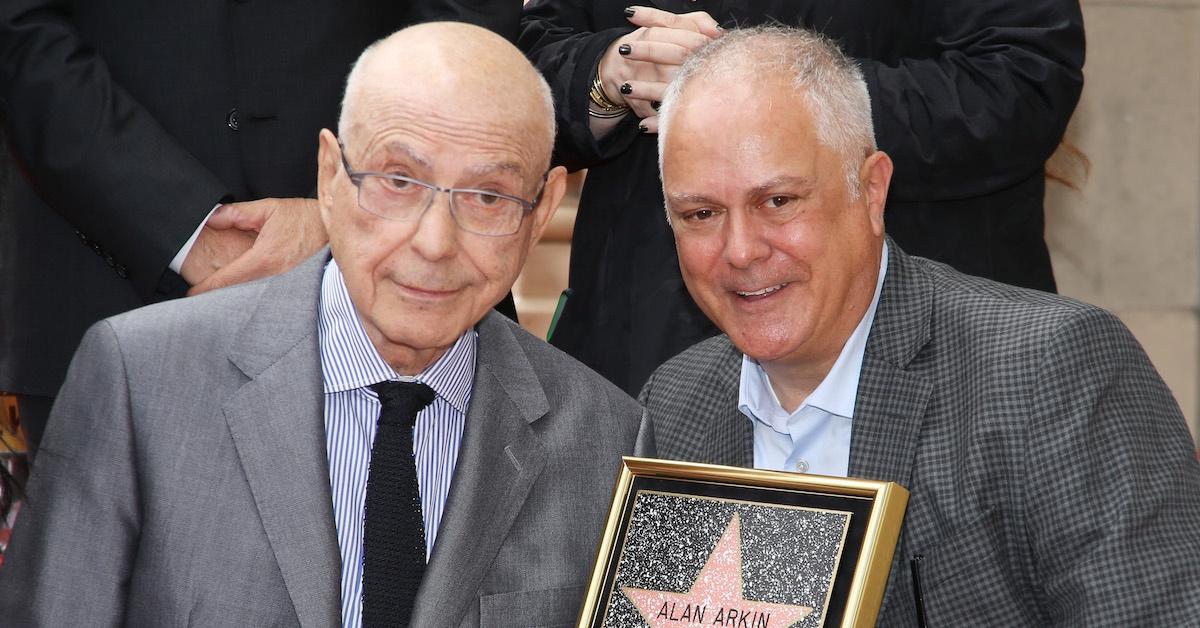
x=969, y=97
x=130, y=119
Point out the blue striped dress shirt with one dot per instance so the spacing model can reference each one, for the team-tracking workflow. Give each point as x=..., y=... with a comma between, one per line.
x=349, y=364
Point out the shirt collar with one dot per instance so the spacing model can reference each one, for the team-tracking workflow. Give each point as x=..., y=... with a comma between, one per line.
x=837, y=392
x=349, y=360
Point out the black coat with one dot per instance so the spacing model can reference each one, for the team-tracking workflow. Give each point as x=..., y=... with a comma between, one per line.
x=130, y=119
x=969, y=97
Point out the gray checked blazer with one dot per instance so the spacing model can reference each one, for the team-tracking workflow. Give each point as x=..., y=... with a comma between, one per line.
x=183, y=480
x=1052, y=477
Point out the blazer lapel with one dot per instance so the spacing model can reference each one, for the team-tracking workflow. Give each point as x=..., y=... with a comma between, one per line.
x=891, y=400
x=499, y=460
x=277, y=424
x=730, y=433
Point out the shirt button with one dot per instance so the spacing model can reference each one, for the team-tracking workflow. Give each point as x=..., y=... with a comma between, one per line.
x=802, y=465
x=231, y=119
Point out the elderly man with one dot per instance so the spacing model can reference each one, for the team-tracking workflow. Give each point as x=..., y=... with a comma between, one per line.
x=1051, y=474
x=131, y=123
x=218, y=461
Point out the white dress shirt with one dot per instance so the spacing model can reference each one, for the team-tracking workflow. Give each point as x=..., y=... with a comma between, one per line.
x=816, y=437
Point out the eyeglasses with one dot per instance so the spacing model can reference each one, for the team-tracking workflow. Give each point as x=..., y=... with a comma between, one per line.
x=404, y=199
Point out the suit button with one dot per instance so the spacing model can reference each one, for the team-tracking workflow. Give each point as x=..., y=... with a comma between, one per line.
x=231, y=119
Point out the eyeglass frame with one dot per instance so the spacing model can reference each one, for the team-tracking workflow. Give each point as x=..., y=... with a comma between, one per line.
x=356, y=177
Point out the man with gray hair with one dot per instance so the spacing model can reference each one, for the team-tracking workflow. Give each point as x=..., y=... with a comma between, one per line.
x=1052, y=477
x=359, y=441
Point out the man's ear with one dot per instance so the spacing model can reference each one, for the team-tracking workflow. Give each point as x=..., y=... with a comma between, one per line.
x=328, y=164
x=552, y=195
x=875, y=176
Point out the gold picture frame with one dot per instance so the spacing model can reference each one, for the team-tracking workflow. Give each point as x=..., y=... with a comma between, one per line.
x=699, y=544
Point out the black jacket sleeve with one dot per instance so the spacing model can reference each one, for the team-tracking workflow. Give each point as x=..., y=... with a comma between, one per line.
x=558, y=38
x=968, y=97
x=91, y=151
x=986, y=102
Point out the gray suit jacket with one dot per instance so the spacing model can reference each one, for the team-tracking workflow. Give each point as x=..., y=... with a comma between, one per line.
x=1052, y=478
x=184, y=478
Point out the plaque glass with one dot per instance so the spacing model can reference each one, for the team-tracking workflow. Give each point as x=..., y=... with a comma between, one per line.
x=690, y=544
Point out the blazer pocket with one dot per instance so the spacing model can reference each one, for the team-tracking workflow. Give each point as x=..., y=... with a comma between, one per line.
x=965, y=578
x=544, y=608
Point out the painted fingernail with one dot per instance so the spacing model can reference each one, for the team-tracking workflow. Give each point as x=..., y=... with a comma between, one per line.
x=629, y=11
x=642, y=128
x=655, y=104
x=624, y=49
x=626, y=89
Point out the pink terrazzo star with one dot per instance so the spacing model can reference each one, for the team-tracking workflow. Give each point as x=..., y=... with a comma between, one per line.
x=715, y=598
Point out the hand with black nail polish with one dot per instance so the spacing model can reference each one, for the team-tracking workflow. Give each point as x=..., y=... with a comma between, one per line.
x=636, y=68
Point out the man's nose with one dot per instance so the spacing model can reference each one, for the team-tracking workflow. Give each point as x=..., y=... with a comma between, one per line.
x=745, y=243
x=436, y=235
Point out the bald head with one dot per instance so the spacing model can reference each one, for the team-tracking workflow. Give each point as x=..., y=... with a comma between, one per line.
x=438, y=185
x=456, y=68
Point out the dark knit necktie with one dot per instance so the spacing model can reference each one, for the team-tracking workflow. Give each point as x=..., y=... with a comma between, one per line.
x=393, y=528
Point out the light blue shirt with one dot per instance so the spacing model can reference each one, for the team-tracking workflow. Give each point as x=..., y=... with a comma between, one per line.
x=349, y=364
x=816, y=437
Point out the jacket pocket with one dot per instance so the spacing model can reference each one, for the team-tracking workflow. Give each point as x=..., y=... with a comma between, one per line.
x=544, y=608
x=967, y=579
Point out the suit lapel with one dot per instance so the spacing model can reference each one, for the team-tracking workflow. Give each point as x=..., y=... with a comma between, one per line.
x=277, y=425
x=887, y=422
x=730, y=433
x=499, y=461
x=891, y=400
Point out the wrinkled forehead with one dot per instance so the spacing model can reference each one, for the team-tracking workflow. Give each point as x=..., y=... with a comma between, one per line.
x=465, y=102
x=423, y=128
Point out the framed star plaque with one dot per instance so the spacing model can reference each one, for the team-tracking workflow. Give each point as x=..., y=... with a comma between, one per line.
x=690, y=544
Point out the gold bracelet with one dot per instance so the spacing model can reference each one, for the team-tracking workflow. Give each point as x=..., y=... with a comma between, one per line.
x=619, y=113
x=608, y=108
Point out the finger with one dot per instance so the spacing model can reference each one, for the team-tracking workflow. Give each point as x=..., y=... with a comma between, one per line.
x=642, y=108
x=246, y=267
x=245, y=216
x=649, y=125
x=645, y=91
x=695, y=22
x=660, y=52
x=642, y=95
x=687, y=39
x=704, y=23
